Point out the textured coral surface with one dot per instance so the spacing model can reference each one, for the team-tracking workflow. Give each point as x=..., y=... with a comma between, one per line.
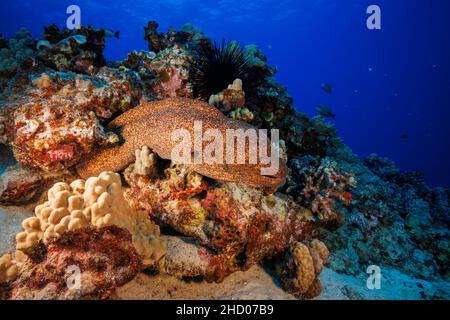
x=236, y=226
x=97, y=202
x=106, y=259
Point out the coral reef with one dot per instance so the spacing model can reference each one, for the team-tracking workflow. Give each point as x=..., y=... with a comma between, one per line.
x=318, y=184
x=229, y=99
x=171, y=70
x=89, y=225
x=395, y=220
x=97, y=202
x=188, y=37
x=79, y=50
x=62, y=106
x=154, y=38
x=49, y=117
x=302, y=265
x=105, y=259
x=236, y=226
x=57, y=118
x=161, y=75
x=16, y=54
x=298, y=274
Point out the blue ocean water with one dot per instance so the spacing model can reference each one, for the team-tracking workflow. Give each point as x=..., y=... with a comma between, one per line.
x=386, y=83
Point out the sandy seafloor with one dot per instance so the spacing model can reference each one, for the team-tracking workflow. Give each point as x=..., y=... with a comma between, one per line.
x=253, y=284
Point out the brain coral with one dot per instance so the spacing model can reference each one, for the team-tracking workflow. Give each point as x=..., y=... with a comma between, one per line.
x=97, y=202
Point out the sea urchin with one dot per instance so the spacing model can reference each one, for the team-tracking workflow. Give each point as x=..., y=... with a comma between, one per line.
x=217, y=67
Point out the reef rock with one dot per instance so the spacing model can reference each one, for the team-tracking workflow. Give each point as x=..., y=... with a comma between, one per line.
x=19, y=185
x=97, y=202
x=8, y=269
x=231, y=98
x=79, y=50
x=53, y=122
x=319, y=185
x=56, y=97
x=84, y=263
x=236, y=226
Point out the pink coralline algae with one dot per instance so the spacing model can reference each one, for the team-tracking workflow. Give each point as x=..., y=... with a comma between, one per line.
x=53, y=114
x=171, y=70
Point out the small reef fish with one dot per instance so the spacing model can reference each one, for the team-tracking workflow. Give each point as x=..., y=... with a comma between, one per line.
x=43, y=44
x=327, y=88
x=325, y=112
x=112, y=34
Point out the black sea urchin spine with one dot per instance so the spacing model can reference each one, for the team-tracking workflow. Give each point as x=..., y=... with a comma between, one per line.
x=217, y=67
